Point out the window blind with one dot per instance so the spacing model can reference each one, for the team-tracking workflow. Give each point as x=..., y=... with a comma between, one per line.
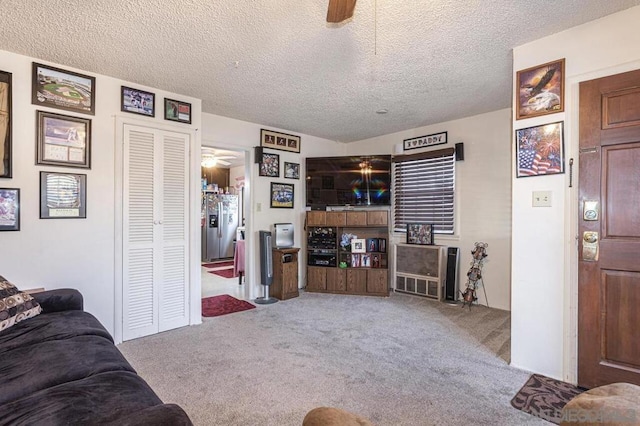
x=424, y=189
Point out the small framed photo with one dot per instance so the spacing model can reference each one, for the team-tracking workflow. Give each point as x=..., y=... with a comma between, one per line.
x=281, y=195
x=63, y=140
x=9, y=209
x=420, y=233
x=63, y=195
x=358, y=245
x=270, y=165
x=62, y=89
x=177, y=111
x=540, y=90
x=540, y=150
x=291, y=170
x=280, y=141
x=138, y=101
x=5, y=124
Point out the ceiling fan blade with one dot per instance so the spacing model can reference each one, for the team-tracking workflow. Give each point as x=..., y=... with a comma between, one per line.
x=340, y=10
x=224, y=163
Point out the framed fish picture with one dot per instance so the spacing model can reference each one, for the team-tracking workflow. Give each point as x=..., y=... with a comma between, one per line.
x=540, y=90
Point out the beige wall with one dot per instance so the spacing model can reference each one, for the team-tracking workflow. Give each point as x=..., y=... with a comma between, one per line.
x=70, y=253
x=544, y=254
x=483, y=193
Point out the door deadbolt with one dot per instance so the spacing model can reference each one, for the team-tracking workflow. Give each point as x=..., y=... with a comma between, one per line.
x=590, y=209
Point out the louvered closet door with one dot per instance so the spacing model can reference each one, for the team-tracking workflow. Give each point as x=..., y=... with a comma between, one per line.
x=155, y=231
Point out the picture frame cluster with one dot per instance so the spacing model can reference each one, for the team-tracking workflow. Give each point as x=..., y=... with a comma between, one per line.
x=540, y=148
x=64, y=139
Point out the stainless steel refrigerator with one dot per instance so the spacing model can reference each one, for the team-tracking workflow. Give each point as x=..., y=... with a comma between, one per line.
x=220, y=214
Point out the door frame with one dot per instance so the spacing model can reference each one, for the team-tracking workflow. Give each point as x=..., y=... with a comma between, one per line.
x=570, y=304
x=249, y=291
x=195, y=307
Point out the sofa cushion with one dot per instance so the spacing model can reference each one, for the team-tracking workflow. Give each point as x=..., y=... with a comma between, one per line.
x=15, y=305
x=53, y=326
x=99, y=399
x=29, y=369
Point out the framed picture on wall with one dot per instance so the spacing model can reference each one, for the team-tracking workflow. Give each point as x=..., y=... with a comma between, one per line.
x=281, y=195
x=63, y=140
x=291, y=170
x=280, y=141
x=63, y=195
x=5, y=124
x=62, y=89
x=270, y=165
x=177, y=111
x=540, y=150
x=9, y=209
x=137, y=101
x=540, y=90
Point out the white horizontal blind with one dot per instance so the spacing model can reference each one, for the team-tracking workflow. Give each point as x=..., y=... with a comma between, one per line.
x=424, y=188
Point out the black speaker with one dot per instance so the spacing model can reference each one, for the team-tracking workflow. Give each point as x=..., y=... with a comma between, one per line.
x=257, y=154
x=459, y=151
x=451, y=283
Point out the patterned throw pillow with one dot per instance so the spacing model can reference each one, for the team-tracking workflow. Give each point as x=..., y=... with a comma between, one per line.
x=15, y=305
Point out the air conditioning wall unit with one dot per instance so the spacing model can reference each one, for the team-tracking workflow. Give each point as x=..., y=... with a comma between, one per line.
x=420, y=270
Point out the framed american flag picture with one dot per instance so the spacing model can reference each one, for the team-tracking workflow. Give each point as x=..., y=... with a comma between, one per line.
x=540, y=150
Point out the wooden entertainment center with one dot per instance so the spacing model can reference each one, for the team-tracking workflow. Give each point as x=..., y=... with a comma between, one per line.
x=365, y=273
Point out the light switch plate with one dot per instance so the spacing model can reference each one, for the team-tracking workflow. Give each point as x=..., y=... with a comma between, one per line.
x=541, y=198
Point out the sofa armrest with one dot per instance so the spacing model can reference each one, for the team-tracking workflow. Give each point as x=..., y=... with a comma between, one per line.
x=157, y=415
x=64, y=299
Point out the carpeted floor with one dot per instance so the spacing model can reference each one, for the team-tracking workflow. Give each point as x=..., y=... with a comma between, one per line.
x=223, y=305
x=545, y=397
x=402, y=360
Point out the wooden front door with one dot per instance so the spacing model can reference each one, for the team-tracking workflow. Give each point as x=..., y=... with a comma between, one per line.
x=609, y=231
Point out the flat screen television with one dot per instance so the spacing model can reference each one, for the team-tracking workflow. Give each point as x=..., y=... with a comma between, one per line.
x=349, y=180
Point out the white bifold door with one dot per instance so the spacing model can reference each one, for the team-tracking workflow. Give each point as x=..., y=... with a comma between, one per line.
x=155, y=261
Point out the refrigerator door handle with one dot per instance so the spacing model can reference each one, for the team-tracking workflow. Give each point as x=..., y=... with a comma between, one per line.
x=220, y=219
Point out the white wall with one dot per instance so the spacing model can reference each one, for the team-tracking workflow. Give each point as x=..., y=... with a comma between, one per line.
x=229, y=133
x=483, y=193
x=76, y=253
x=544, y=254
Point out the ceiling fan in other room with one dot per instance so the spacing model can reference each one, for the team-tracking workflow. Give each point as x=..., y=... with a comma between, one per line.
x=340, y=10
x=212, y=157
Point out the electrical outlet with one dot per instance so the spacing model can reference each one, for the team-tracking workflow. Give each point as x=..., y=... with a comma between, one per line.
x=258, y=207
x=541, y=198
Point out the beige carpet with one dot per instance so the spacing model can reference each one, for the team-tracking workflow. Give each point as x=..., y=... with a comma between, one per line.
x=402, y=360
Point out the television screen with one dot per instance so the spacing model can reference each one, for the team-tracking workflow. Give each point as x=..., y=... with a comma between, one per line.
x=352, y=180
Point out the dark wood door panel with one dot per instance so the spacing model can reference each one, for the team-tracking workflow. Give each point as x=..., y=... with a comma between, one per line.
x=621, y=108
x=620, y=255
x=621, y=317
x=621, y=198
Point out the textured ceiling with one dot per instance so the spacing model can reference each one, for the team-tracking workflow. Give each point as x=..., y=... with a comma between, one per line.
x=279, y=64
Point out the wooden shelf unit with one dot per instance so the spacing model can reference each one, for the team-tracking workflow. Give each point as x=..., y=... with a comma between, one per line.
x=369, y=224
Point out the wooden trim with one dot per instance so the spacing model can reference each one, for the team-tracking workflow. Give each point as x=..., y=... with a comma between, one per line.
x=423, y=155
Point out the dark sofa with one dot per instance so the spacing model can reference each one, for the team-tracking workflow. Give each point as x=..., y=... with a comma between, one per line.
x=62, y=367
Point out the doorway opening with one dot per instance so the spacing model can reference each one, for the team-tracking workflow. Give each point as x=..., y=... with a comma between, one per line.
x=222, y=222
